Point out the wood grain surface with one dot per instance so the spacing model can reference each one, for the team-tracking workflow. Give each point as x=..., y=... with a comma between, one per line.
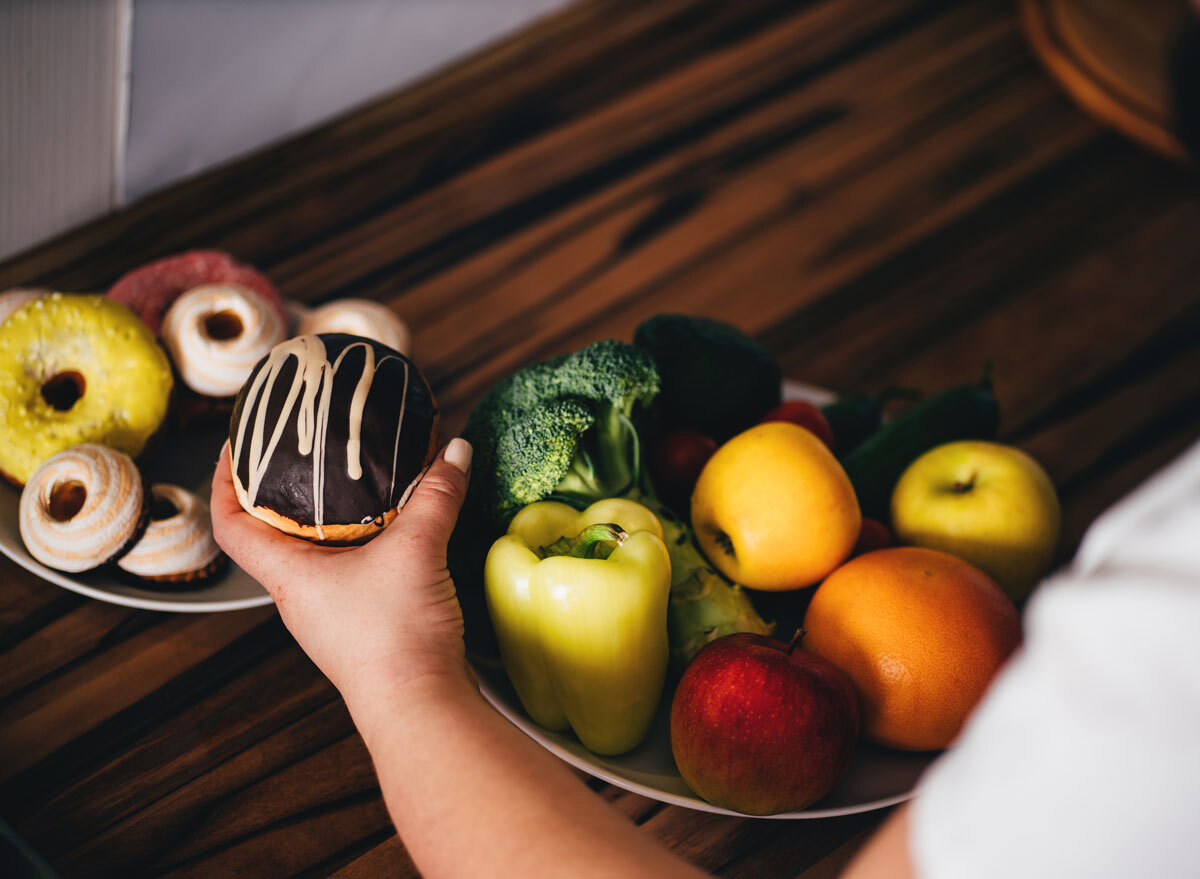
x=887, y=192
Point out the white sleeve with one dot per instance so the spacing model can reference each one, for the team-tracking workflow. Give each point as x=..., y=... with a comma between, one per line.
x=1084, y=758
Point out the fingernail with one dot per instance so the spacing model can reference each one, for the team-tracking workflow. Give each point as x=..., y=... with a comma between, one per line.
x=458, y=454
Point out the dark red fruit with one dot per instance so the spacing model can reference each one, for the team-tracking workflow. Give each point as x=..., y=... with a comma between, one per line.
x=874, y=535
x=807, y=416
x=679, y=458
x=804, y=414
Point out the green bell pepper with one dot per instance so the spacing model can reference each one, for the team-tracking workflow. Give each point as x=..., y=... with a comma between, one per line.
x=579, y=604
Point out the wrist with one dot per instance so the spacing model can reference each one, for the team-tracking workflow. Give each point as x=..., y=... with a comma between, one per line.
x=383, y=697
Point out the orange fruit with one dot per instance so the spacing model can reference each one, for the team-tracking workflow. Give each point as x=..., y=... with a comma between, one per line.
x=920, y=632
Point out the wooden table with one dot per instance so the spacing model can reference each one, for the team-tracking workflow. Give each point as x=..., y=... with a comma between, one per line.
x=884, y=191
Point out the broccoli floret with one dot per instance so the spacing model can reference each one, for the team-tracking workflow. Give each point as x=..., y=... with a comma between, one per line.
x=561, y=429
x=715, y=378
x=564, y=430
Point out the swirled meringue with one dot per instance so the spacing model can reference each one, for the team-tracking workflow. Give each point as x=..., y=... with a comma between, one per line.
x=178, y=547
x=76, y=537
x=211, y=363
x=359, y=317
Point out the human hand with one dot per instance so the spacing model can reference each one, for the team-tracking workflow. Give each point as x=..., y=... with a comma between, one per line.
x=384, y=613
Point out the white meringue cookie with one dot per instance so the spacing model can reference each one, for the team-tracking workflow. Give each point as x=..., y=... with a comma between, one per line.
x=359, y=317
x=176, y=546
x=215, y=334
x=81, y=507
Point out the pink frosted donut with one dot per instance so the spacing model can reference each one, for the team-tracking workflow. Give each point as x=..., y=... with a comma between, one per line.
x=150, y=289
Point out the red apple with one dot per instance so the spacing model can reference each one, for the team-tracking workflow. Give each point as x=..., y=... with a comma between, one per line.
x=760, y=726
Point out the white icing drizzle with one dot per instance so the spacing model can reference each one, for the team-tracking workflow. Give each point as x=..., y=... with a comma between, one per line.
x=399, y=428
x=359, y=317
x=180, y=544
x=313, y=379
x=218, y=367
x=107, y=520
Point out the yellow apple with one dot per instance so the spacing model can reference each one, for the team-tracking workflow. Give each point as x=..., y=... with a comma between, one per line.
x=773, y=509
x=988, y=503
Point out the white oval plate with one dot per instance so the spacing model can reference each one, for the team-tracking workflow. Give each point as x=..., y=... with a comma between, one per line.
x=877, y=777
x=186, y=459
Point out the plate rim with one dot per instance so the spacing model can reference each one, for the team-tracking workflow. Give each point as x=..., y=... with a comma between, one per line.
x=695, y=803
x=160, y=604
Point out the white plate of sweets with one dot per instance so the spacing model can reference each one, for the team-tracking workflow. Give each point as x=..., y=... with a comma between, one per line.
x=186, y=456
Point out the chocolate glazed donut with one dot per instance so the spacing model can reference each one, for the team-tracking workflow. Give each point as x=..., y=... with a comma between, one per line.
x=329, y=435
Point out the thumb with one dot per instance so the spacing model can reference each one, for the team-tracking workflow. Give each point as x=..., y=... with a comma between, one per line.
x=432, y=509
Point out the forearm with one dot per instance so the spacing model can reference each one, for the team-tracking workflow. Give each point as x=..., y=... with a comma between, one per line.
x=886, y=854
x=471, y=795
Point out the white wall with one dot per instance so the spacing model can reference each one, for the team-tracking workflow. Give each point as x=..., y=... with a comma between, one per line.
x=215, y=79
x=62, y=109
x=210, y=80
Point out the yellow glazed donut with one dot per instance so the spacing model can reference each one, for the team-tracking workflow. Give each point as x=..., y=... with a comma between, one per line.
x=216, y=333
x=76, y=369
x=359, y=317
x=82, y=508
x=178, y=545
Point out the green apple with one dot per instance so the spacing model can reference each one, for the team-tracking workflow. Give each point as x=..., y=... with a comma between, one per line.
x=988, y=503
